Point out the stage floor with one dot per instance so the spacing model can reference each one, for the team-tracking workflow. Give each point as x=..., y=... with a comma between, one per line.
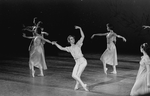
x=16, y=79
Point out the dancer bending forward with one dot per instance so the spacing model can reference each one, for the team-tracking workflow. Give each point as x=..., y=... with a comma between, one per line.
x=142, y=83
x=81, y=63
x=110, y=54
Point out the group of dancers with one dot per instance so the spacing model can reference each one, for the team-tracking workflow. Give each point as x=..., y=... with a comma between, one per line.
x=37, y=58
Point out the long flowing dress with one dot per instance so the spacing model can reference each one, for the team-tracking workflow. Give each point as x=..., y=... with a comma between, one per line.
x=37, y=53
x=140, y=86
x=110, y=54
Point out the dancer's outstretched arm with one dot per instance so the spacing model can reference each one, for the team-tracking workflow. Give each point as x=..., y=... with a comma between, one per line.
x=59, y=46
x=29, y=28
x=28, y=37
x=45, y=39
x=34, y=20
x=82, y=34
x=119, y=36
x=145, y=26
x=99, y=34
x=44, y=32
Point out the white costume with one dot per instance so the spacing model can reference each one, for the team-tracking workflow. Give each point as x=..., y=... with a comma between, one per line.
x=76, y=52
x=140, y=86
x=37, y=53
x=110, y=54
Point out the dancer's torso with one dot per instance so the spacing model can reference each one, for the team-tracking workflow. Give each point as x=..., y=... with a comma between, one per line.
x=144, y=61
x=75, y=51
x=38, y=45
x=111, y=38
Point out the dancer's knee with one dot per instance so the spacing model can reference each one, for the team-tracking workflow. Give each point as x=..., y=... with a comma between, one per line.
x=74, y=76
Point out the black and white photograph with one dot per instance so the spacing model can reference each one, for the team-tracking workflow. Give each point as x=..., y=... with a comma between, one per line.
x=75, y=47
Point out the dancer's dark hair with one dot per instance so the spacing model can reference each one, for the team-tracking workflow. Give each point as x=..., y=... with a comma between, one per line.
x=146, y=48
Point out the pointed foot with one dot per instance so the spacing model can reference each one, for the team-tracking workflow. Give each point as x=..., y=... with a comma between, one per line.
x=85, y=87
x=33, y=72
x=76, y=87
x=105, y=70
x=114, y=72
x=41, y=75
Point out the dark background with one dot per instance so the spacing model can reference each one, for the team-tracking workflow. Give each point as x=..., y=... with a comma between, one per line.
x=59, y=17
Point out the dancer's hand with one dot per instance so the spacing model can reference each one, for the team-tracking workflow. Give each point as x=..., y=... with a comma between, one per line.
x=145, y=26
x=54, y=42
x=92, y=36
x=24, y=35
x=45, y=33
x=124, y=39
x=77, y=27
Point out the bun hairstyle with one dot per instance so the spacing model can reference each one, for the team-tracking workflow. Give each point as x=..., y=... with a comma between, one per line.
x=109, y=27
x=146, y=48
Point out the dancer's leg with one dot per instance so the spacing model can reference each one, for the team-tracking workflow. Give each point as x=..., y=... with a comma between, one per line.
x=74, y=74
x=77, y=82
x=114, y=70
x=41, y=70
x=77, y=85
x=43, y=60
x=102, y=58
x=32, y=69
x=80, y=70
x=105, y=68
x=79, y=73
x=115, y=62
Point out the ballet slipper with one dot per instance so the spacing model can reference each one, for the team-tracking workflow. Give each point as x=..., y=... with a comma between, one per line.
x=105, y=70
x=40, y=74
x=85, y=87
x=76, y=87
x=114, y=72
x=33, y=72
x=33, y=75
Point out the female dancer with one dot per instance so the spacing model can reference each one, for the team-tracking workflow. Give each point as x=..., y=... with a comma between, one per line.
x=37, y=57
x=110, y=54
x=142, y=83
x=81, y=63
x=33, y=29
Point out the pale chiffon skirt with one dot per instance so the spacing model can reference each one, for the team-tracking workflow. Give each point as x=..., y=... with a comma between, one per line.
x=110, y=55
x=140, y=85
x=37, y=56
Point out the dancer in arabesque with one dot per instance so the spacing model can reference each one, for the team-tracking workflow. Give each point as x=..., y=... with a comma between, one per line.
x=142, y=82
x=110, y=54
x=80, y=61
